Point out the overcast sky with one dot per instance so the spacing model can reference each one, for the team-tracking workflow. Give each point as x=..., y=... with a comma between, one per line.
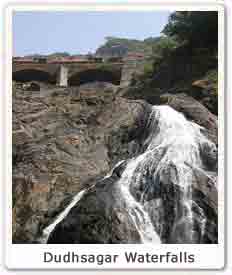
x=80, y=32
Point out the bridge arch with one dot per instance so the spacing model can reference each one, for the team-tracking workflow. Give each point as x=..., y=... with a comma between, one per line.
x=25, y=75
x=92, y=75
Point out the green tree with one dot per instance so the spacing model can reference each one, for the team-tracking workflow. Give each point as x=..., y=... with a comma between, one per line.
x=163, y=47
x=197, y=28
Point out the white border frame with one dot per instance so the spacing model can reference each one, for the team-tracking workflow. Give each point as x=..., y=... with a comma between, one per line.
x=18, y=255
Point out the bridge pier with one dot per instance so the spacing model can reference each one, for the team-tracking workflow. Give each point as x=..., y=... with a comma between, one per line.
x=63, y=72
x=62, y=76
x=128, y=70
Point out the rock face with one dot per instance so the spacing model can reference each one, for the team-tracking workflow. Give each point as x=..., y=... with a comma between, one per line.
x=62, y=140
x=162, y=185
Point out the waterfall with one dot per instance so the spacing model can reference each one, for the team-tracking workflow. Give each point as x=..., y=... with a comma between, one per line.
x=61, y=216
x=157, y=186
x=172, y=149
x=135, y=210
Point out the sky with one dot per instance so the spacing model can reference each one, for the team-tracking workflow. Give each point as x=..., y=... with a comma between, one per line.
x=80, y=32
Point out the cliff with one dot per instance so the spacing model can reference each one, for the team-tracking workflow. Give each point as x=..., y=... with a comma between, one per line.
x=85, y=139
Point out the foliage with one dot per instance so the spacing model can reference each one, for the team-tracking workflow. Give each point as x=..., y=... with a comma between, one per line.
x=52, y=55
x=196, y=28
x=59, y=54
x=105, y=67
x=212, y=78
x=163, y=48
x=148, y=69
x=115, y=46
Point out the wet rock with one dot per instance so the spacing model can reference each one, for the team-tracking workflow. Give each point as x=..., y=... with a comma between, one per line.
x=182, y=102
x=100, y=217
x=67, y=140
x=165, y=194
x=194, y=111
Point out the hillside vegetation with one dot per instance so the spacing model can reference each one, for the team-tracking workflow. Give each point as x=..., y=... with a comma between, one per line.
x=115, y=46
x=184, y=60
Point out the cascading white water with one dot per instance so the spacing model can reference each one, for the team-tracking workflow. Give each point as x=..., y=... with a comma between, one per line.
x=135, y=209
x=172, y=149
x=172, y=156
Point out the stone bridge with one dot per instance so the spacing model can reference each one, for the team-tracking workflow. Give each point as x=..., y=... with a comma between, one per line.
x=74, y=74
